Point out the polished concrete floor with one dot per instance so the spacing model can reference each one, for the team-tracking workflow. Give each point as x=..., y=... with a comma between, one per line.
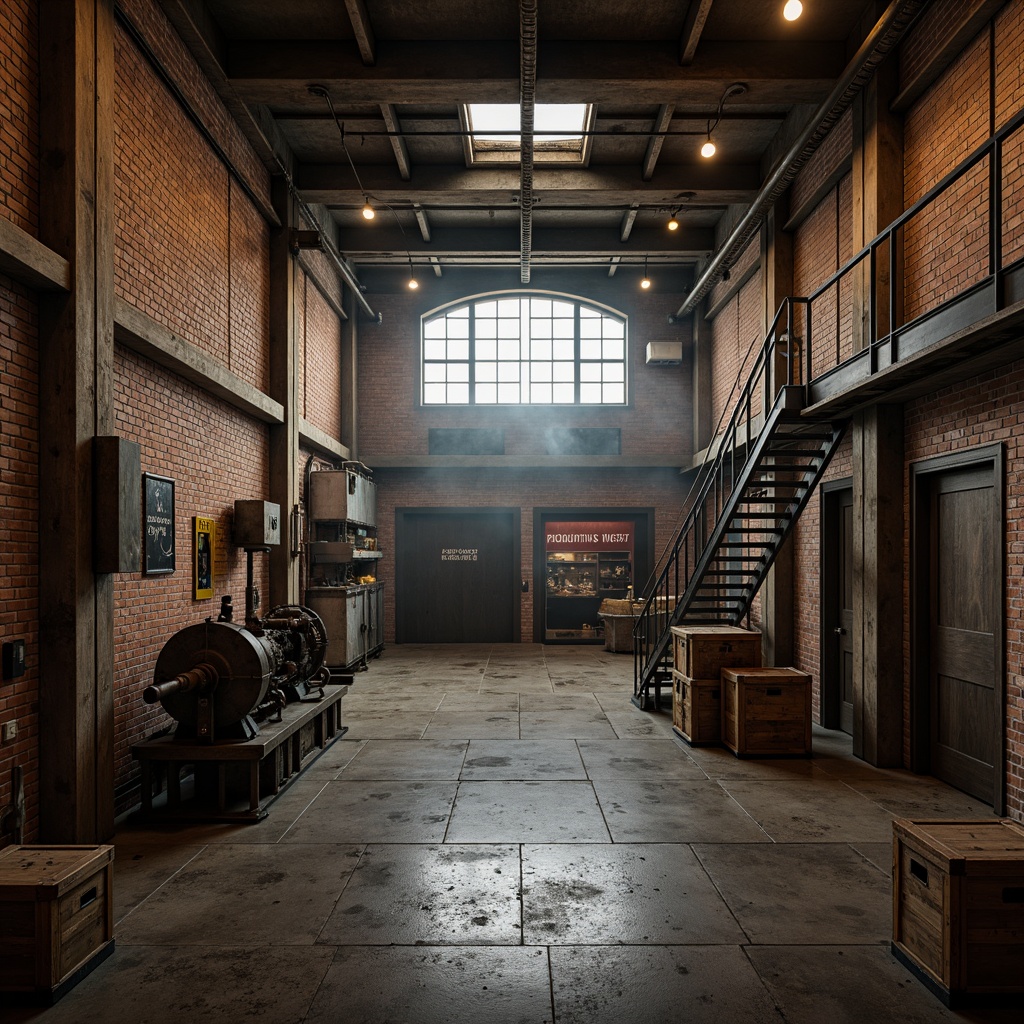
x=502, y=837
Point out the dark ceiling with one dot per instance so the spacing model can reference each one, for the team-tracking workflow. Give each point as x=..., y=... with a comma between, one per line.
x=398, y=72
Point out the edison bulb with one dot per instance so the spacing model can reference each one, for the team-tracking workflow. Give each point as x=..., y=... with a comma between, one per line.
x=673, y=225
x=369, y=212
x=645, y=283
x=792, y=10
x=413, y=284
x=707, y=150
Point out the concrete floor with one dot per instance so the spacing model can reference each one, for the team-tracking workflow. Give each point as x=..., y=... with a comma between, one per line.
x=502, y=837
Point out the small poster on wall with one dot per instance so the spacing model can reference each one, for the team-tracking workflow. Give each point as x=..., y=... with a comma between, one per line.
x=157, y=525
x=204, y=542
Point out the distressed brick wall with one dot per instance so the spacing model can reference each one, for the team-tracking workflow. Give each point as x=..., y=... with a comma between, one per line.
x=19, y=114
x=320, y=345
x=190, y=249
x=658, y=422
x=946, y=244
x=19, y=534
x=526, y=490
x=215, y=455
x=980, y=410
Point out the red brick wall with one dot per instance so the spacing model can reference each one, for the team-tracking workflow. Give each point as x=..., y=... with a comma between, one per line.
x=978, y=411
x=836, y=147
x=525, y=490
x=19, y=533
x=1009, y=44
x=946, y=245
x=320, y=345
x=190, y=250
x=215, y=455
x=659, y=421
x=19, y=114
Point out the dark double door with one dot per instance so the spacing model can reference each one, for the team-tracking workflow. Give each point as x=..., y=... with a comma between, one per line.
x=456, y=577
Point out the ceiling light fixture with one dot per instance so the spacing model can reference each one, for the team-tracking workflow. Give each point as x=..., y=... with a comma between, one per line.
x=673, y=224
x=413, y=283
x=368, y=211
x=321, y=90
x=646, y=282
x=736, y=89
x=792, y=10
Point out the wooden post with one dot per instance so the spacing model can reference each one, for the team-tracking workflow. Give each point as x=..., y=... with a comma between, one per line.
x=777, y=642
x=76, y=348
x=284, y=388
x=877, y=445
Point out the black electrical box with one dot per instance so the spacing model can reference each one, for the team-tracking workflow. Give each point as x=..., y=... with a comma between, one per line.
x=14, y=659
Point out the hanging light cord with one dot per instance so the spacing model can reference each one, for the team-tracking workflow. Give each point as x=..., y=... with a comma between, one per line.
x=319, y=90
x=736, y=89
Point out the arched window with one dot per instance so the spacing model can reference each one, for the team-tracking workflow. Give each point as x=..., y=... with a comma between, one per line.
x=524, y=349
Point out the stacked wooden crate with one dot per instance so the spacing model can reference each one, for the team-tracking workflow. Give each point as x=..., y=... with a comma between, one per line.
x=766, y=712
x=699, y=655
x=958, y=906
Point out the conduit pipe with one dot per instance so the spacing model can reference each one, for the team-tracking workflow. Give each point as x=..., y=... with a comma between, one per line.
x=527, y=99
x=880, y=41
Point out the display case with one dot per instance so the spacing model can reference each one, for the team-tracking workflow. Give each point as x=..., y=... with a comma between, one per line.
x=576, y=582
x=342, y=556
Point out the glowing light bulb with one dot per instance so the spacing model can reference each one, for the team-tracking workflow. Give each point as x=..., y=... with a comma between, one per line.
x=645, y=283
x=368, y=211
x=413, y=284
x=708, y=149
x=792, y=10
x=673, y=225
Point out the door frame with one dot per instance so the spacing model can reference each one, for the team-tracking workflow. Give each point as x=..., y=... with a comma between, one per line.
x=921, y=473
x=644, y=546
x=828, y=585
x=460, y=510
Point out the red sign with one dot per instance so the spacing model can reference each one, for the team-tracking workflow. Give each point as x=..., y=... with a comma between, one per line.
x=589, y=536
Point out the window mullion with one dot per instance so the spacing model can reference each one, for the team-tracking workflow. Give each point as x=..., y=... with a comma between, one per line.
x=576, y=349
x=472, y=354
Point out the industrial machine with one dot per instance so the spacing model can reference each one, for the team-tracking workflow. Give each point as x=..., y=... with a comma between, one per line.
x=217, y=677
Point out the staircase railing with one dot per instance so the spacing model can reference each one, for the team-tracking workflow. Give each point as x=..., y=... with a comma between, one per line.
x=776, y=364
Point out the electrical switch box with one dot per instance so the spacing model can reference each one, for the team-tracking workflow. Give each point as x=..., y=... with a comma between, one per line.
x=13, y=659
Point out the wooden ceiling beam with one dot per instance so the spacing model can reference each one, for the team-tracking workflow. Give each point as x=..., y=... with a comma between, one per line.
x=661, y=123
x=363, y=31
x=397, y=142
x=696, y=15
x=779, y=73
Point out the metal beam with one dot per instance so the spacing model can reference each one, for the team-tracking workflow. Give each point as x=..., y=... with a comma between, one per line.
x=363, y=31
x=661, y=123
x=397, y=142
x=696, y=16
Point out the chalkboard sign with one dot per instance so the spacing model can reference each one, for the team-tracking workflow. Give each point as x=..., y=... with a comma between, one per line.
x=157, y=525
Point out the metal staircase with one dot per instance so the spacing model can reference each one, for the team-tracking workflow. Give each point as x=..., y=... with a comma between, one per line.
x=744, y=506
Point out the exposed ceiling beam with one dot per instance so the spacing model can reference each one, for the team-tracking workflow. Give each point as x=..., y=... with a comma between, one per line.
x=614, y=266
x=696, y=16
x=436, y=264
x=397, y=142
x=422, y=222
x=596, y=72
x=359, y=243
x=628, y=219
x=717, y=183
x=363, y=31
x=661, y=123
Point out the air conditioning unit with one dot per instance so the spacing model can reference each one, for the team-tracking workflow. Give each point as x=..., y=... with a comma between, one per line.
x=664, y=353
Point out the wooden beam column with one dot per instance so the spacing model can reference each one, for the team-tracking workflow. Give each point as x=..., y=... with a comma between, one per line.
x=284, y=388
x=878, y=440
x=76, y=356
x=777, y=607
x=349, y=374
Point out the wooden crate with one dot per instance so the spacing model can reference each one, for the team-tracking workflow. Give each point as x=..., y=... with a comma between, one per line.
x=701, y=652
x=766, y=712
x=697, y=709
x=56, y=918
x=958, y=906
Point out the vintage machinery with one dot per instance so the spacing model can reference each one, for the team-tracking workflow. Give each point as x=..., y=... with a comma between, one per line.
x=217, y=678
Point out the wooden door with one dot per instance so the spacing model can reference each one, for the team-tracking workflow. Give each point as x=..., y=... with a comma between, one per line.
x=837, y=608
x=963, y=618
x=455, y=578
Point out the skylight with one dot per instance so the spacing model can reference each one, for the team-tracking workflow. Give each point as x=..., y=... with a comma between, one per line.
x=492, y=122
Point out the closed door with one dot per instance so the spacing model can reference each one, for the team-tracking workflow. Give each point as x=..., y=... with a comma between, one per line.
x=962, y=622
x=844, y=611
x=455, y=577
x=837, y=605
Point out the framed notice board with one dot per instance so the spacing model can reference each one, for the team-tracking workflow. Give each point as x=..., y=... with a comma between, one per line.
x=204, y=544
x=157, y=525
